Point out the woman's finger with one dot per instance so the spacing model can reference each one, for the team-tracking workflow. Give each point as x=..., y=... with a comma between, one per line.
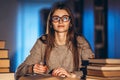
x=39, y=68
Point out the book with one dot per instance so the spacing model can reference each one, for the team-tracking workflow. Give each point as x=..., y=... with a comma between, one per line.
x=104, y=65
x=105, y=61
x=7, y=76
x=2, y=44
x=3, y=53
x=100, y=73
x=101, y=78
x=4, y=70
x=4, y=63
x=109, y=68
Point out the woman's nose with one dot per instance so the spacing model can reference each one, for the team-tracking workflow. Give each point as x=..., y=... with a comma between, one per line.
x=60, y=21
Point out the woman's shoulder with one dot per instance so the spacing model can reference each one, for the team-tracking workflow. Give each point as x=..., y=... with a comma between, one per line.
x=82, y=42
x=43, y=38
x=80, y=39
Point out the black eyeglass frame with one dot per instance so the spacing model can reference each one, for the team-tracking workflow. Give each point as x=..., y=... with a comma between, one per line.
x=61, y=18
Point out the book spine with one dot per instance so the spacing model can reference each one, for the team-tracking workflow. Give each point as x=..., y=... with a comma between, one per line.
x=100, y=73
x=4, y=70
x=2, y=44
x=103, y=68
x=4, y=63
x=3, y=53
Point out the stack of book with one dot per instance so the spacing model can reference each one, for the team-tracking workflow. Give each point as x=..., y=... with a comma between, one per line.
x=104, y=69
x=4, y=59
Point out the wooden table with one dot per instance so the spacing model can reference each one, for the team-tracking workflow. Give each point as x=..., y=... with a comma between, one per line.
x=101, y=78
x=44, y=77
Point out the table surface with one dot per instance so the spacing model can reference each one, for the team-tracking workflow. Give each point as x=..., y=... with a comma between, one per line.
x=44, y=77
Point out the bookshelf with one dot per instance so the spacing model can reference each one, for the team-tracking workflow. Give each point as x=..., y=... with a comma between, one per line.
x=77, y=8
x=100, y=11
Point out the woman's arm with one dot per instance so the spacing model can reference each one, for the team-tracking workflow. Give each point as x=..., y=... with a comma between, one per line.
x=63, y=73
x=35, y=57
x=84, y=48
x=85, y=53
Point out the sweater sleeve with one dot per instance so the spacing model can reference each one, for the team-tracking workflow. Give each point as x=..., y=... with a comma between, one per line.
x=85, y=53
x=85, y=49
x=33, y=58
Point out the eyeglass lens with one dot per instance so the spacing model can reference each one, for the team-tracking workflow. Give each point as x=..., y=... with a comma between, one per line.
x=64, y=18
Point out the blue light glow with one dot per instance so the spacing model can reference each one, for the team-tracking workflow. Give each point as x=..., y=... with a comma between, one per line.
x=28, y=28
x=113, y=29
x=88, y=22
x=111, y=34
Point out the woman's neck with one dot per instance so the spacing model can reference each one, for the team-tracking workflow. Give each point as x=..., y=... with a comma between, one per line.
x=60, y=38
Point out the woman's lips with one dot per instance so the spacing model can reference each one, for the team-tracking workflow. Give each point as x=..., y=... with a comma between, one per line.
x=60, y=26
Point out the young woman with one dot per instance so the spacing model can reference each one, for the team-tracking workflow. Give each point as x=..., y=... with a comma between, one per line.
x=61, y=50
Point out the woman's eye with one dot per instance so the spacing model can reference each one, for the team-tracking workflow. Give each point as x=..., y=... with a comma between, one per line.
x=65, y=18
x=55, y=18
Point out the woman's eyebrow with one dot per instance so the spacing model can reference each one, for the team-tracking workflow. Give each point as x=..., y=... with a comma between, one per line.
x=61, y=16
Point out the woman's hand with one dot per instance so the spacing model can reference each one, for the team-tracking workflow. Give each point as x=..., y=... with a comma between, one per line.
x=39, y=69
x=60, y=72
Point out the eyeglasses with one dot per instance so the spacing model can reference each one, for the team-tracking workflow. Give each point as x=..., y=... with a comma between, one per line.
x=64, y=18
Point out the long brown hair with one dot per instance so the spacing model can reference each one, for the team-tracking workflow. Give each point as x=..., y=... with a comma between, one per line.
x=71, y=37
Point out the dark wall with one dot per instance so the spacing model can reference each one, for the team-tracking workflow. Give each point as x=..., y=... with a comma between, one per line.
x=8, y=18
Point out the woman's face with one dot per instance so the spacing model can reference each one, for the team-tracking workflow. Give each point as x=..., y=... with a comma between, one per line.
x=60, y=20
